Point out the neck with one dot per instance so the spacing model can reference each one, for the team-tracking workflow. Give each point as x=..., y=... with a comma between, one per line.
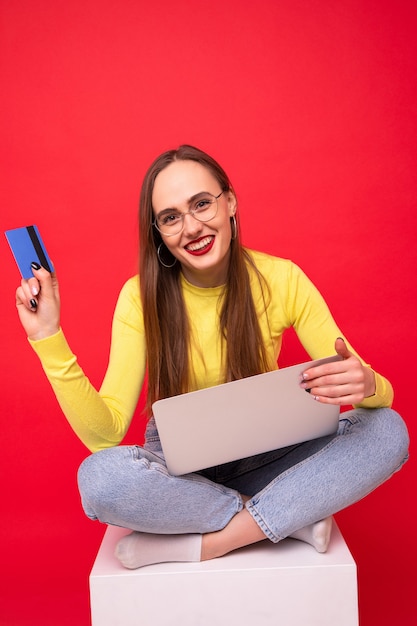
x=204, y=280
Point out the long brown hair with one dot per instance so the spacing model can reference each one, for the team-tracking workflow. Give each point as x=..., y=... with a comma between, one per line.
x=165, y=319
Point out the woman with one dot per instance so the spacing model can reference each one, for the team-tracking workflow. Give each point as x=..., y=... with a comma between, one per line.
x=206, y=311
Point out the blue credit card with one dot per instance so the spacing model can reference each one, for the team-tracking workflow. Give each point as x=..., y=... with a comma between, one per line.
x=27, y=246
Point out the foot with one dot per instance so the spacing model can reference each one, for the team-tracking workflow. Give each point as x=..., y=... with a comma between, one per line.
x=317, y=534
x=140, y=549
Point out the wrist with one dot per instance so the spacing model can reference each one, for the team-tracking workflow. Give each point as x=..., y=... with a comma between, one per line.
x=370, y=382
x=44, y=333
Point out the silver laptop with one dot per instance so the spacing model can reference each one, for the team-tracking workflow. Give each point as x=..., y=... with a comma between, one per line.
x=242, y=418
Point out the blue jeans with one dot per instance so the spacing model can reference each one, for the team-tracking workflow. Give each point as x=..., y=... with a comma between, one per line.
x=289, y=488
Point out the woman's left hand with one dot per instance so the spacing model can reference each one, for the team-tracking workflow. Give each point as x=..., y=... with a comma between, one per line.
x=342, y=382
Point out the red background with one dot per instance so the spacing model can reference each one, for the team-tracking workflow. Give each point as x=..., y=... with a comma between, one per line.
x=310, y=107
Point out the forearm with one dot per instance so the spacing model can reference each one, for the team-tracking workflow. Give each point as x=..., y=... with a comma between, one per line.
x=99, y=421
x=318, y=331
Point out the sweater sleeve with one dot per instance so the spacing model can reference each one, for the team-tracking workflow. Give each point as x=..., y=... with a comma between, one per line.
x=101, y=417
x=317, y=330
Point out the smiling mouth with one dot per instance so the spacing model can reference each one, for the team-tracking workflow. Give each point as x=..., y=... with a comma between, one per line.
x=200, y=246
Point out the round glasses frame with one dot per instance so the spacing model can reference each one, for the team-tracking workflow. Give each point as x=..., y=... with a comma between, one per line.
x=194, y=212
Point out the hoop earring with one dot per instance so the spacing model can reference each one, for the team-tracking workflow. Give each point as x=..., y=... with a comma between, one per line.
x=233, y=226
x=158, y=254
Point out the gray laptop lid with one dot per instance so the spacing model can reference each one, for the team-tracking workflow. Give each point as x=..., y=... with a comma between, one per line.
x=240, y=419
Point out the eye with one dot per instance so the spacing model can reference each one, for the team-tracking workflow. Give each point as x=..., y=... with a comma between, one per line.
x=203, y=204
x=168, y=218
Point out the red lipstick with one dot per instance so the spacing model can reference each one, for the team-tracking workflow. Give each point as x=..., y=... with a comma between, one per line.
x=198, y=248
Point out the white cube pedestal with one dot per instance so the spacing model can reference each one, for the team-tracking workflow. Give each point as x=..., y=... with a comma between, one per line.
x=285, y=584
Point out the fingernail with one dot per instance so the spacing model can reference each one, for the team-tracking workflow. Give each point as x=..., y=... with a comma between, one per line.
x=341, y=338
x=33, y=304
x=35, y=265
x=34, y=291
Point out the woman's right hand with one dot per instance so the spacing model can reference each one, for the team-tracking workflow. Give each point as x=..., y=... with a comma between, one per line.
x=38, y=304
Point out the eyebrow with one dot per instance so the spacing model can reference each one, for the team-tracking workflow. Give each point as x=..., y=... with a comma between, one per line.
x=189, y=201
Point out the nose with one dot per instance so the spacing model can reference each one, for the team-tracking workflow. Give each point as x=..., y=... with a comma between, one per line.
x=191, y=225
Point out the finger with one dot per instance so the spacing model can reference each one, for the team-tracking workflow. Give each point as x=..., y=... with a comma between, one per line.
x=332, y=367
x=352, y=374
x=33, y=285
x=347, y=400
x=339, y=390
x=325, y=382
x=47, y=280
x=341, y=348
x=328, y=369
x=25, y=298
x=29, y=289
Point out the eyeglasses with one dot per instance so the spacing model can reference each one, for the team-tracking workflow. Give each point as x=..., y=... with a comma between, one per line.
x=204, y=208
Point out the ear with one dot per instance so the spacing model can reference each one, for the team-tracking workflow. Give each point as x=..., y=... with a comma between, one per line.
x=232, y=202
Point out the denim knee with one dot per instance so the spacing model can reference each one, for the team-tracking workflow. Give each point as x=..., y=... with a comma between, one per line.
x=129, y=486
x=84, y=484
x=94, y=483
x=387, y=431
x=398, y=438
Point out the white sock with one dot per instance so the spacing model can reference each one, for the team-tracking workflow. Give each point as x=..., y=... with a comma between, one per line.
x=317, y=534
x=140, y=549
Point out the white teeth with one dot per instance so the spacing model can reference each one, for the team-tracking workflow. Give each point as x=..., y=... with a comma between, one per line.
x=201, y=244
